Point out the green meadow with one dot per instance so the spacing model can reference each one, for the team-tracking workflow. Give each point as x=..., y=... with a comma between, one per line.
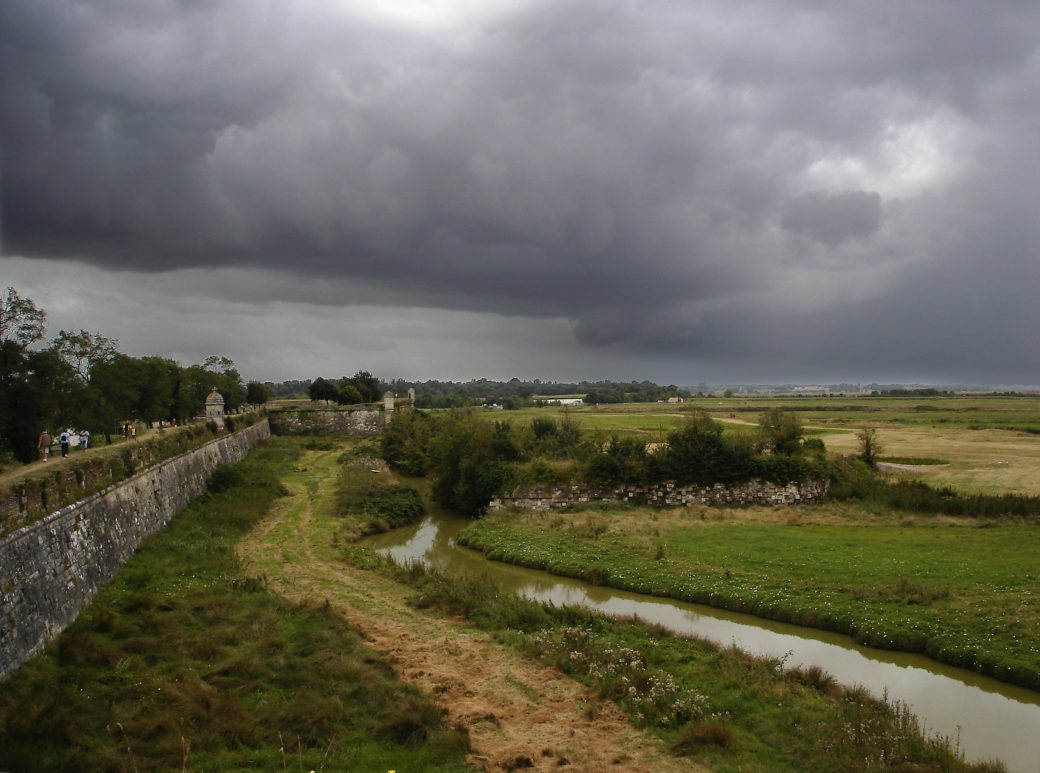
x=963, y=593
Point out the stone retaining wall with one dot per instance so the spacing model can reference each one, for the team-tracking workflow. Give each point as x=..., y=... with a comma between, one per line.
x=663, y=495
x=51, y=569
x=44, y=491
x=327, y=421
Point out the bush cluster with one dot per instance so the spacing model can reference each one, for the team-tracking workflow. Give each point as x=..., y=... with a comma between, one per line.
x=378, y=505
x=471, y=459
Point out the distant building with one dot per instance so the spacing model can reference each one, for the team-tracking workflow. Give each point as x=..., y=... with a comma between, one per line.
x=388, y=401
x=676, y=400
x=563, y=401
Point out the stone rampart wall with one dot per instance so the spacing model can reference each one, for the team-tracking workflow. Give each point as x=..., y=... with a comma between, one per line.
x=51, y=569
x=34, y=496
x=663, y=495
x=327, y=421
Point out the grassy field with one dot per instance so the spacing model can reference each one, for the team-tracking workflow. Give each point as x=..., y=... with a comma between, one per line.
x=982, y=411
x=716, y=706
x=975, y=444
x=185, y=662
x=964, y=593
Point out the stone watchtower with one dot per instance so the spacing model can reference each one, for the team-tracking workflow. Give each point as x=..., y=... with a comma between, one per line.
x=388, y=401
x=215, y=408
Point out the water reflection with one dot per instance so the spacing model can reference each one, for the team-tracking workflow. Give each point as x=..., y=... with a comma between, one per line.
x=990, y=718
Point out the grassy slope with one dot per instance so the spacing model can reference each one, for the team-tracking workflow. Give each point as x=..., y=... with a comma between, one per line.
x=183, y=661
x=963, y=594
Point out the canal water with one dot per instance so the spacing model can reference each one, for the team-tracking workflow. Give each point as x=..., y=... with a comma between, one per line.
x=991, y=719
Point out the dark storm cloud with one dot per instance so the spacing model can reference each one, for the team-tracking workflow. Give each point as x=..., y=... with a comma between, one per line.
x=790, y=184
x=833, y=218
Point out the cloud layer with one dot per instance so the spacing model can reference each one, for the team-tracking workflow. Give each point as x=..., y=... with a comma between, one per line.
x=763, y=190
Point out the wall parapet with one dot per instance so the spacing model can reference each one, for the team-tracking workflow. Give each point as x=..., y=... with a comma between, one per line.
x=33, y=496
x=52, y=568
x=666, y=494
x=326, y=421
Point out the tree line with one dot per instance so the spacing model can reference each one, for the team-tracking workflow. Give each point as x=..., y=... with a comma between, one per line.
x=470, y=459
x=362, y=388
x=81, y=379
x=516, y=393
x=513, y=394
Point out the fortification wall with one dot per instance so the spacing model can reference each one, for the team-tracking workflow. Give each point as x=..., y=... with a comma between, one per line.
x=663, y=495
x=36, y=495
x=327, y=421
x=51, y=569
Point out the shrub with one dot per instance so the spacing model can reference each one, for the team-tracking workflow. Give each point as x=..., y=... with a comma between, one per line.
x=814, y=445
x=815, y=677
x=696, y=735
x=405, y=442
x=781, y=431
x=698, y=453
x=782, y=468
x=395, y=505
x=223, y=477
x=377, y=505
x=543, y=427
x=541, y=472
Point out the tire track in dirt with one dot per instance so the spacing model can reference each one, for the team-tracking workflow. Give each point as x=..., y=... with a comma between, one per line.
x=519, y=713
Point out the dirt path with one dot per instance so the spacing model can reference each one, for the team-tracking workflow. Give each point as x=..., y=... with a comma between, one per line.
x=519, y=713
x=57, y=461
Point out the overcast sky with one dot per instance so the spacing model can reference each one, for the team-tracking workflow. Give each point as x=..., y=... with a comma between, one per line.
x=563, y=189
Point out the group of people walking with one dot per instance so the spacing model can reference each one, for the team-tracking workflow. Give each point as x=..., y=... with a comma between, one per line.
x=45, y=442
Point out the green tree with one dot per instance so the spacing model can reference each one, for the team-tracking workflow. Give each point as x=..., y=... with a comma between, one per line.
x=38, y=389
x=869, y=446
x=20, y=320
x=405, y=441
x=257, y=393
x=155, y=384
x=83, y=350
x=20, y=422
x=347, y=392
x=185, y=401
x=781, y=431
x=112, y=394
x=502, y=446
x=466, y=476
x=367, y=385
x=322, y=389
x=698, y=453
